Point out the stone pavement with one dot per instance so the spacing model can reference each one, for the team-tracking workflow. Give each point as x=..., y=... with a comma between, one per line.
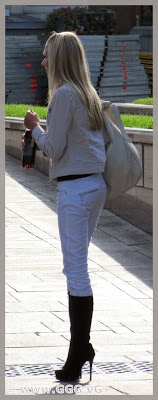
x=37, y=326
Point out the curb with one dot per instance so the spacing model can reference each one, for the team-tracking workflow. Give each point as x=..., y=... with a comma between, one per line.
x=129, y=108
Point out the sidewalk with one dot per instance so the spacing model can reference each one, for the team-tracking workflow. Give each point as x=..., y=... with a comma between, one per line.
x=37, y=325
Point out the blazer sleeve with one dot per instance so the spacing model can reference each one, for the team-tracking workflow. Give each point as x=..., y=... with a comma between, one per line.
x=54, y=141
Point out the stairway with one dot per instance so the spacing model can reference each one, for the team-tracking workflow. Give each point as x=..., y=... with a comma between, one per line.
x=115, y=68
x=94, y=47
x=26, y=80
x=124, y=78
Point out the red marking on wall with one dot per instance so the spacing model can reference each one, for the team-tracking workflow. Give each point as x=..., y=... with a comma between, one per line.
x=24, y=55
x=33, y=85
x=38, y=100
x=124, y=68
x=33, y=80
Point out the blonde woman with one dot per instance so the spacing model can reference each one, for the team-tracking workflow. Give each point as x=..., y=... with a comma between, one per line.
x=74, y=142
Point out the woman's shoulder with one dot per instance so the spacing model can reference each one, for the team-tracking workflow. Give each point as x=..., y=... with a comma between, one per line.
x=65, y=89
x=65, y=93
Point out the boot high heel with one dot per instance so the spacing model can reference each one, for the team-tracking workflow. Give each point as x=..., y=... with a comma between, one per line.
x=72, y=370
x=91, y=357
x=80, y=350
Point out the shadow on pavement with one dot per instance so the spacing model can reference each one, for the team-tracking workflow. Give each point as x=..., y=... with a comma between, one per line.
x=135, y=245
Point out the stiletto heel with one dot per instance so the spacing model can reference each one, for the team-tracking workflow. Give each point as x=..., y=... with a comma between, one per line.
x=90, y=370
x=73, y=371
x=91, y=359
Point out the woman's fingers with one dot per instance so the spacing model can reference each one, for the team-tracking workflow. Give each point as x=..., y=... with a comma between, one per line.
x=31, y=120
x=32, y=111
x=22, y=144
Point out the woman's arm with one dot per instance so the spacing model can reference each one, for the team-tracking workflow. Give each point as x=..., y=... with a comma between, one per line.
x=54, y=141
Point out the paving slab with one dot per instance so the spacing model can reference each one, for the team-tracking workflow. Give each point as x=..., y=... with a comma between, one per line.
x=30, y=306
x=37, y=324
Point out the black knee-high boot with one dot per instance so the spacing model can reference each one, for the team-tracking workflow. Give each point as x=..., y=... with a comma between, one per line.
x=80, y=350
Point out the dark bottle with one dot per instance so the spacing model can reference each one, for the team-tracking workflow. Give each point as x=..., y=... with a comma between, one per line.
x=28, y=158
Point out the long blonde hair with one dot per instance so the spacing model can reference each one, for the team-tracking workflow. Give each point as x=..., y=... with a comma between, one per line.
x=67, y=64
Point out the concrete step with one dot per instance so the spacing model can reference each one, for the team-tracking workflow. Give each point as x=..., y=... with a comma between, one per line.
x=98, y=56
x=26, y=89
x=138, y=69
x=122, y=58
x=119, y=47
x=31, y=99
x=26, y=84
x=17, y=53
x=123, y=98
x=20, y=38
x=90, y=51
x=86, y=39
x=25, y=73
x=94, y=69
x=118, y=38
x=37, y=59
x=120, y=92
x=118, y=78
x=25, y=45
x=96, y=63
x=129, y=64
x=19, y=70
x=128, y=84
x=120, y=75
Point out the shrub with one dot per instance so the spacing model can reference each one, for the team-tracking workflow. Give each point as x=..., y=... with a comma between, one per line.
x=98, y=20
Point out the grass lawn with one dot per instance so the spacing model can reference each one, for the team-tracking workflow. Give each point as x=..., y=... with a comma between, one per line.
x=129, y=120
x=137, y=121
x=19, y=110
x=148, y=101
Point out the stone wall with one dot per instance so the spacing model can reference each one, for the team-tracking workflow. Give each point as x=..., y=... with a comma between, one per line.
x=136, y=205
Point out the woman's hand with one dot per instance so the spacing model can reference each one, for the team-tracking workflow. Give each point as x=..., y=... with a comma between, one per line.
x=31, y=119
x=23, y=142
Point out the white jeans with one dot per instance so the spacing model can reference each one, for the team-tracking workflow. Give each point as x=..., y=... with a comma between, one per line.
x=80, y=202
